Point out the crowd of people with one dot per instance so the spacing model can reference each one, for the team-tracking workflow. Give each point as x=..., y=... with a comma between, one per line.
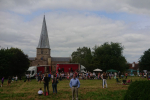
x=74, y=80
x=46, y=79
x=74, y=84
x=10, y=80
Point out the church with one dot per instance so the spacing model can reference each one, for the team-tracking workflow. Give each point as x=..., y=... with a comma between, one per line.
x=43, y=52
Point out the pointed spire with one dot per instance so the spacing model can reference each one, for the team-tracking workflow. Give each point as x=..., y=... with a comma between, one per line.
x=44, y=41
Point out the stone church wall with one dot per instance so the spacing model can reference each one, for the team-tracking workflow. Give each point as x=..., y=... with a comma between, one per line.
x=40, y=62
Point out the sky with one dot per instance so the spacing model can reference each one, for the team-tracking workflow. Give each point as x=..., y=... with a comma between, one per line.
x=76, y=23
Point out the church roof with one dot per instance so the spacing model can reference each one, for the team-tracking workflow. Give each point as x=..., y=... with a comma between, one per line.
x=67, y=59
x=31, y=58
x=44, y=41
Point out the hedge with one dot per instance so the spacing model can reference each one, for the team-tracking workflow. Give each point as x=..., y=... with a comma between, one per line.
x=138, y=90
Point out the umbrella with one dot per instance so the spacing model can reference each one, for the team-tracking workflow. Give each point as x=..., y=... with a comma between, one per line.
x=111, y=70
x=97, y=70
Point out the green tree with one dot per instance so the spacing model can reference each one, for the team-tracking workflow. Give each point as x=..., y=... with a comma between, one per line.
x=83, y=56
x=144, y=61
x=13, y=62
x=109, y=56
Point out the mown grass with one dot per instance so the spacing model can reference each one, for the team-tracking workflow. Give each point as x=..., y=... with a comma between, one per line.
x=89, y=90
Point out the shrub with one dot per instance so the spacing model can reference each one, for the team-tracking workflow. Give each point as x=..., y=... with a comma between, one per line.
x=138, y=90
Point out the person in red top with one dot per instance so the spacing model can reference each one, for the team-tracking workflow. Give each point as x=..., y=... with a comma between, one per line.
x=75, y=73
x=126, y=75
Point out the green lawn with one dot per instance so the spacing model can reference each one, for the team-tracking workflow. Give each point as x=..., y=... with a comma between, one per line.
x=89, y=90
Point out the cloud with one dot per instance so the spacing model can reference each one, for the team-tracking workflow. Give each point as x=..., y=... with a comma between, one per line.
x=74, y=25
x=29, y=6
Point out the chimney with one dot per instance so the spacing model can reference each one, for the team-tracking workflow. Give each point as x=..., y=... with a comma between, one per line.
x=133, y=64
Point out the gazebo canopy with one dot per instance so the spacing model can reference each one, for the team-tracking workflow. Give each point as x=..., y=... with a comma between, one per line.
x=97, y=70
x=111, y=70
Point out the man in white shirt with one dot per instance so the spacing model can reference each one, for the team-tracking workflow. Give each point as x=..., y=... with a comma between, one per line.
x=52, y=76
x=16, y=78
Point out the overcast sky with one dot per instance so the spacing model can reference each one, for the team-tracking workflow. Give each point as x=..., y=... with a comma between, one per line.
x=76, y=23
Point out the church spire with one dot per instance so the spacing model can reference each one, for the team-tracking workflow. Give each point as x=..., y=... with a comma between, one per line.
x=44, y=41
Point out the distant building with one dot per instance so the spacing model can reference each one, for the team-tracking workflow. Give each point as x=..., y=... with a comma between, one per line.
x=43, y=53
x=133, y=68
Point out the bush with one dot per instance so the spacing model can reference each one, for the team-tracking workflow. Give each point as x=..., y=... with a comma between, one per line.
x=138, y=90
x=13, y=62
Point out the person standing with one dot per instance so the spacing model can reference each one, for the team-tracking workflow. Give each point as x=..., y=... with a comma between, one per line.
x=36, y=76
x=57, y=76
x=119, y=74
x=86, y=75
x=60, y=77
x=104, y=79
x=39, y=78
x=28, y=77
x=9, y=81
x=115, y=75
x=126, y=75
x=147, y=75
x=68, y=76
x=13, y=78
x=49, y=76
x=46, y=84
x=54, y=84
x=16, y=78
x=143, y=74
x=74, y=84
x=52, y=76
x=76, y=73
x=109, y=75
x=2, y=82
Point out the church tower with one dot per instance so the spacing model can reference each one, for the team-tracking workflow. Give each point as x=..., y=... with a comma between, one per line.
x=43, y=49
x=43, y=55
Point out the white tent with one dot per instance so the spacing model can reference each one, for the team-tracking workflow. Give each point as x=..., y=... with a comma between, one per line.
x=97, y=70
x=82, y=69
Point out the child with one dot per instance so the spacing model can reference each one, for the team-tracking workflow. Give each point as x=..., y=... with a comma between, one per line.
x=40, y=92
x=9, y=81
x=2, y=82
x=12, y=78
x=16, y=78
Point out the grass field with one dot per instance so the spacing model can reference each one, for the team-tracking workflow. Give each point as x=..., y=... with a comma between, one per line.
x=89, y=90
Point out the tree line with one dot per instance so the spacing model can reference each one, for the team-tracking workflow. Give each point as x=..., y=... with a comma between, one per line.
x=107, y=56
